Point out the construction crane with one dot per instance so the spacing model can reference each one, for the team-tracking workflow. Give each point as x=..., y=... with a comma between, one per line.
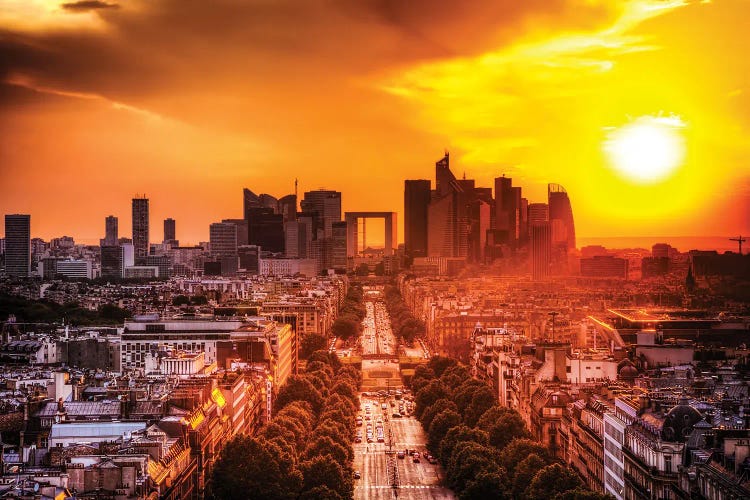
x=740, y=240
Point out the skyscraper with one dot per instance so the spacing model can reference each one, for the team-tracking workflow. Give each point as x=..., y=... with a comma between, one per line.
x=140, y=229
x=110, y=231
x=223, y=237
x=416, y=204
x=448, y=218
x=561, y=217
x=18, y=245
x=539, y=232
x=265, y=229
x=169, y=230
x=327, y=204
x=537, y=212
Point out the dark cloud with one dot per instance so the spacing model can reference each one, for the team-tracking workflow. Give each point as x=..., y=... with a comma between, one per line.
x=87, y=5
x=241, y=51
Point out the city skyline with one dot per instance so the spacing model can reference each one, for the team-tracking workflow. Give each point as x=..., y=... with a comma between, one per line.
x=98, y=104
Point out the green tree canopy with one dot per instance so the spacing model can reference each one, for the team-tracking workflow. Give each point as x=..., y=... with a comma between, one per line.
x=552, y=480
x=310, y=343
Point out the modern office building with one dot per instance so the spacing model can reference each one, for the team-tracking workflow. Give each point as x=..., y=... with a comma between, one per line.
x=541, y=250
x=288, y=207
x=223, y=238
x=416, y=204
x=151, y=334
x=18, y=245
x=110, y=231
x=604, y=266
x=265, y=228
x=163, y=262
x=169, y=230
x=538, y=212
x=140, y=229
x=561, y=217
x=327, y=205
x=507, y=210
x=114, y=260
x=241, y=229
x=448, y=215
x=74, y=268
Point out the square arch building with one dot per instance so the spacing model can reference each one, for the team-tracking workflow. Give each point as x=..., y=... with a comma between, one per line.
x=391, y=231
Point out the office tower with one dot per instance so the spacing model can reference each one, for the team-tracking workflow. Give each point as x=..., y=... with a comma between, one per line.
x=561, y=217
x=112, y=261
x=288, y=207
x=110, y=231
x=241, y=229
x=163, y=262
x=169, y=230
x=327, y=204
x=249, y=256
x=661, y=250
x=540, y=248
x=416, y=204
x=268, y=201
x=537, y=212
x=18, y=245
x=507, y=210
x=338, y=257
x=265, y=229
x=140, y=229
x=448, y=213
x=223, y=238
x=479, y=217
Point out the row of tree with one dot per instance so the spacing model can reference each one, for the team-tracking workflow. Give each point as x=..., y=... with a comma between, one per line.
x=403, y=322
x=485, y=448
x=348, y=324
x=305, y=451
x=47, y=311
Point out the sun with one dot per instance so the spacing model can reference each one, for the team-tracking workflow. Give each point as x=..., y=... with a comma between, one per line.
x=648, y=149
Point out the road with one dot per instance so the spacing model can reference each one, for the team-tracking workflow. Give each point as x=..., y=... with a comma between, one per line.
x=383, y=474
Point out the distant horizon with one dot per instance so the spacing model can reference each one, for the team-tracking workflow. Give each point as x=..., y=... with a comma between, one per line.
x=681, y=243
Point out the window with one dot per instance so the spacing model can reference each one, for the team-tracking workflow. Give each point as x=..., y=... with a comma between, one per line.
x=668, y=463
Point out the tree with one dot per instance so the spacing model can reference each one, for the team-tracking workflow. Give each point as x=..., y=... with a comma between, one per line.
x=468, y=460
x=517, y=450
x=180, y=300
x=434, y=409
x=439, y=364
x=423, y=375
x=345, y=328
x=320, y=493
x=322, y=471
x=483, y=400
x=311, y=343
x=581, y=494
x=428, y=395
x=525, y=472
x=255, y=468
x=552, y=480
x=460, y=434
x=298, y=388
x=439, y=427
x=458, y=377
x=505, y=429
x=486, y=484
x=113, y=313
x=324, y=445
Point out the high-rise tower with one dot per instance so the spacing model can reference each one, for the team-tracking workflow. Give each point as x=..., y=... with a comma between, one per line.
x=169, y=230
x=18, y=245
x=140, y=229
x=561, y=217
x=416, y=203
x=327, y=204
x=110, y=231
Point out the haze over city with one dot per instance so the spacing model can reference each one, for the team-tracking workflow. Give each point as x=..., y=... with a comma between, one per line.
x=188, y=102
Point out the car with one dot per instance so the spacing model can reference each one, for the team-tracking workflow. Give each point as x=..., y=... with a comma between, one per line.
x=357, y=475
x=358, y=439
x=415, y=459
x=396, y=415
x=401, y=454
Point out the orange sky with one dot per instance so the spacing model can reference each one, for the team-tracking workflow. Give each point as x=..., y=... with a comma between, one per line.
x=190, y=101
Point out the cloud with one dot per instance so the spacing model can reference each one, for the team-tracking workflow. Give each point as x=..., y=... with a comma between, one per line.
x=88, y=5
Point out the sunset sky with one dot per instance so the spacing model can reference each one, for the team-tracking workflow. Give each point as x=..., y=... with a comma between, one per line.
x=188, y=102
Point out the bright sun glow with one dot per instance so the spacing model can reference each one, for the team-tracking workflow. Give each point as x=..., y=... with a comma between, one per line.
x=647, y=149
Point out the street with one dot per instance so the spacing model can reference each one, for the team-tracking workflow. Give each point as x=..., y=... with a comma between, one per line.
x=386, y=420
